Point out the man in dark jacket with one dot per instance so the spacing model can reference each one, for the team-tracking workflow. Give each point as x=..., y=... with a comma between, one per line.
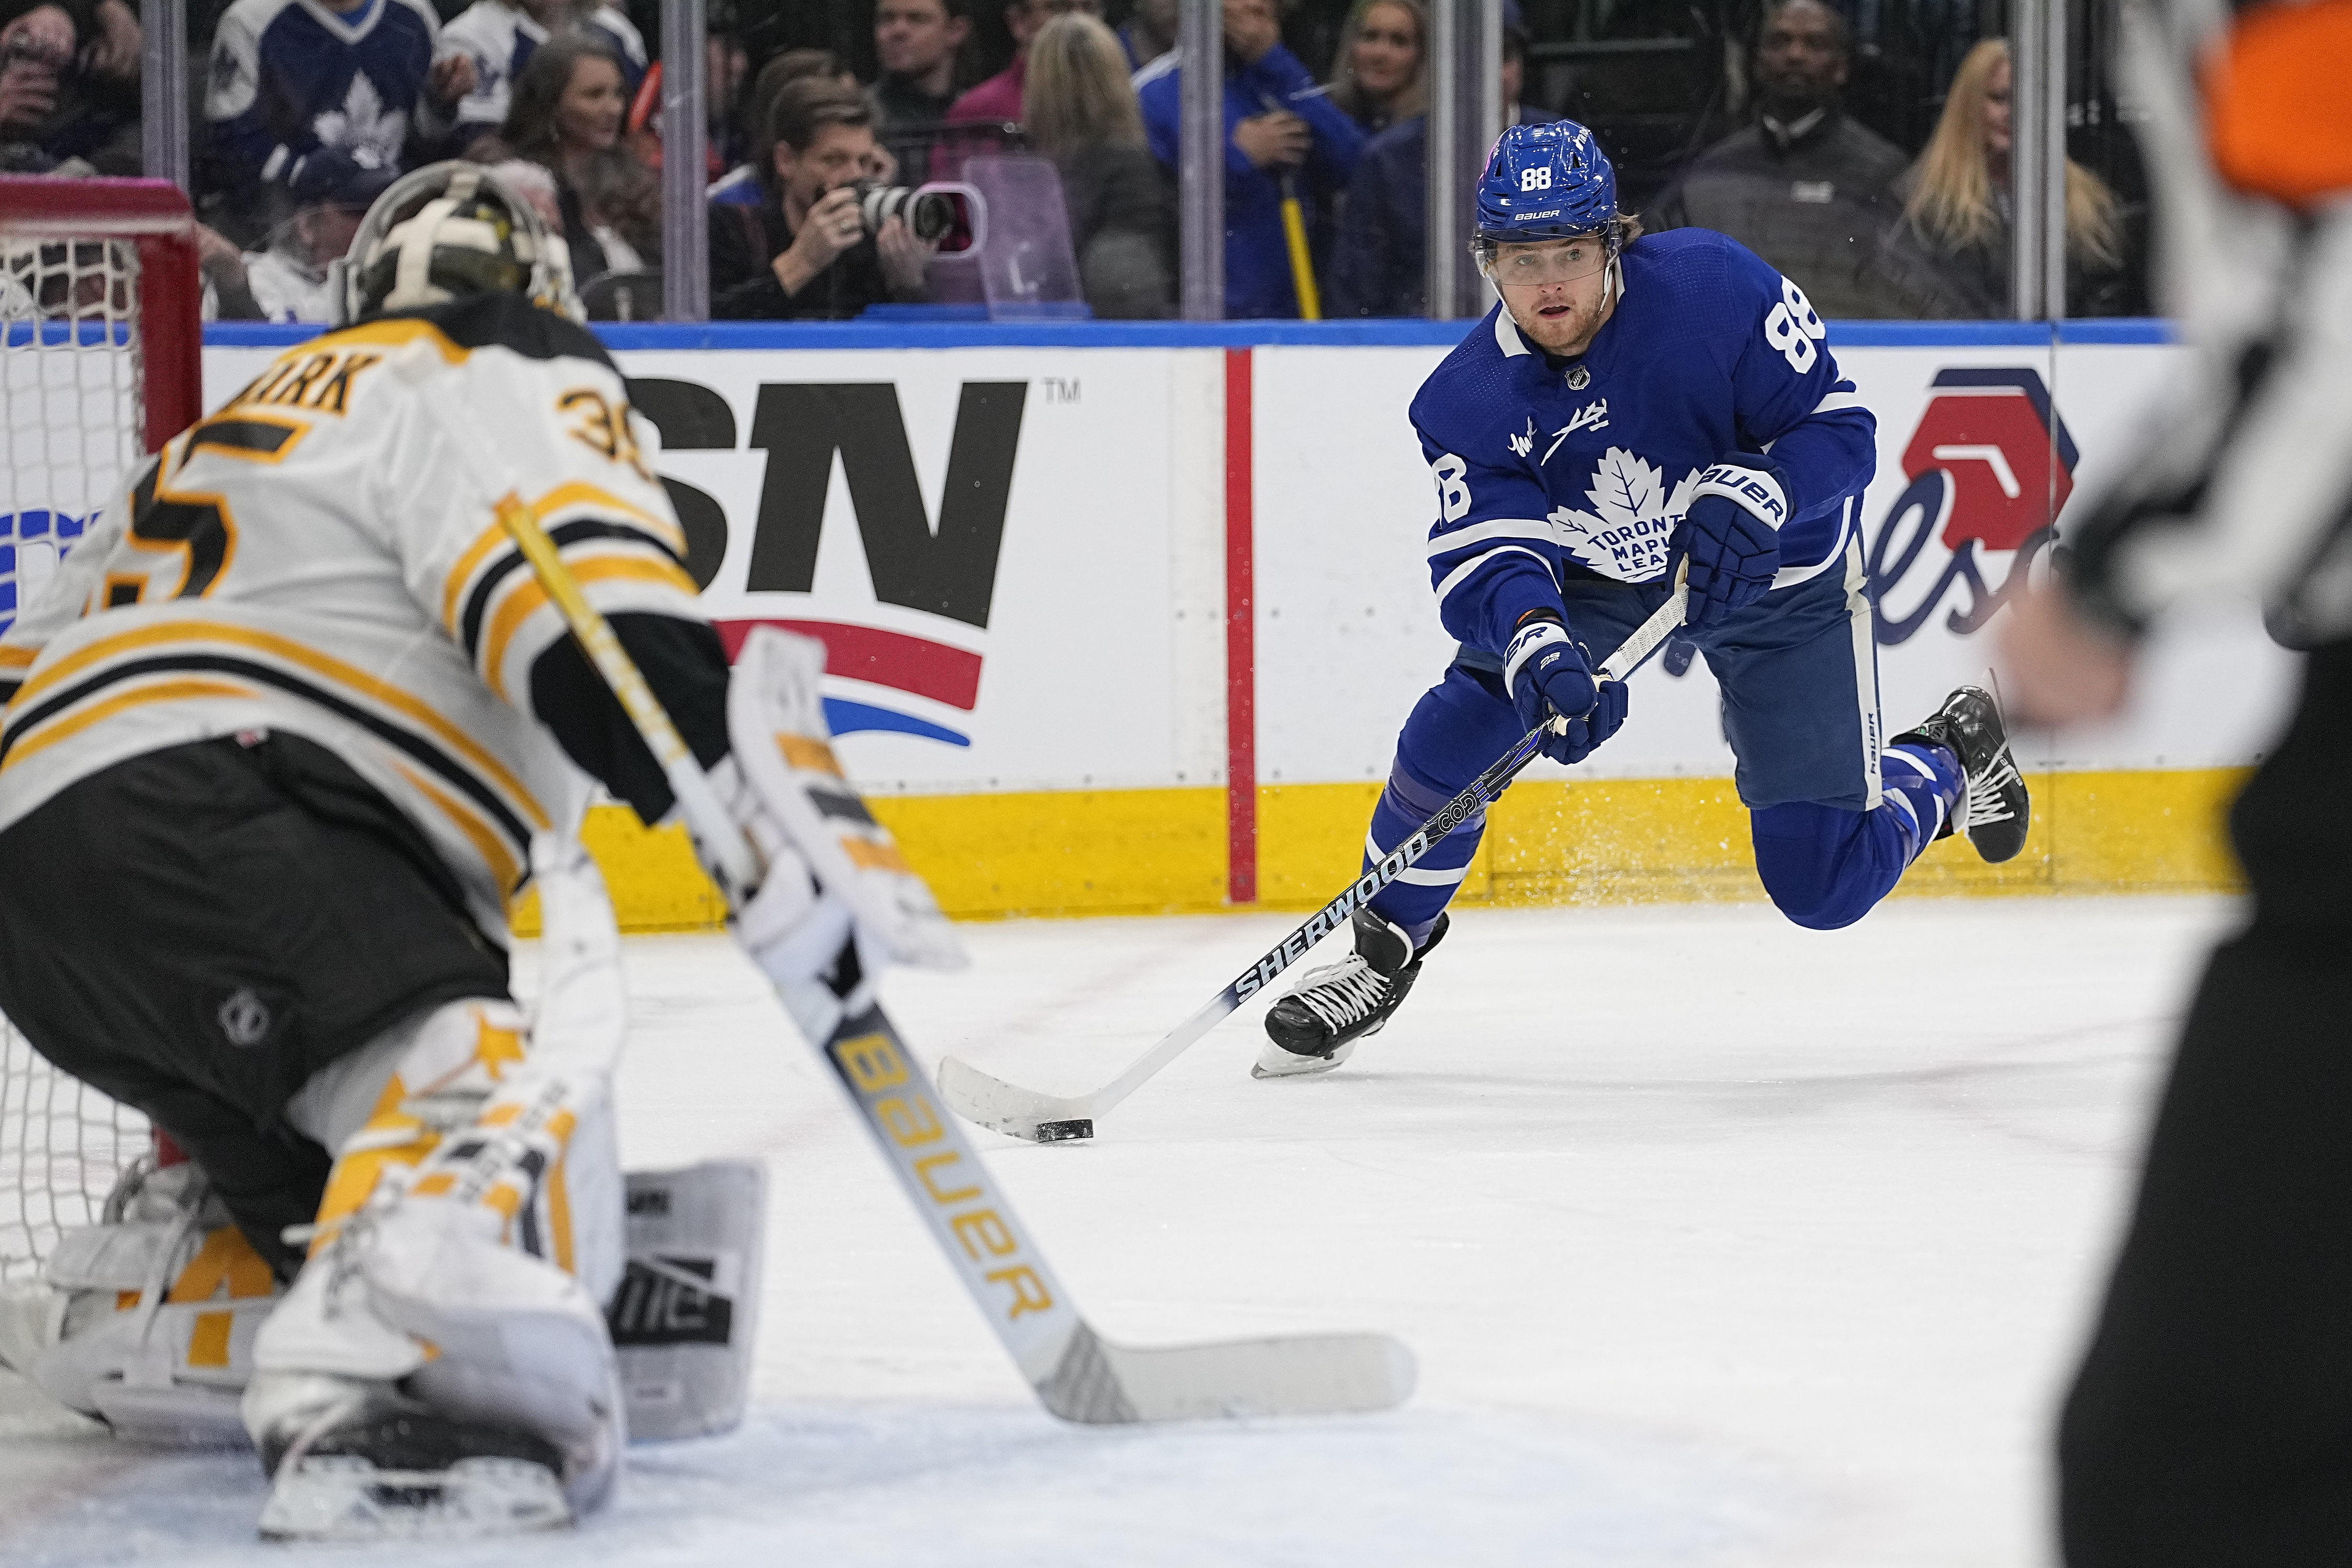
x=804, y=253
x=1806, y=188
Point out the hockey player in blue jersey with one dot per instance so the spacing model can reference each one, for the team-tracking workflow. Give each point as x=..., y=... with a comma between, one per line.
x=1627, y=408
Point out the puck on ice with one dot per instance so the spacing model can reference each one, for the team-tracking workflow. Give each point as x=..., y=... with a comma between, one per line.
x=1065, y=1132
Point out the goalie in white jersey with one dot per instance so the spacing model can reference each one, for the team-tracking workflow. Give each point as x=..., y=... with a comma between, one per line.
x=281, y=737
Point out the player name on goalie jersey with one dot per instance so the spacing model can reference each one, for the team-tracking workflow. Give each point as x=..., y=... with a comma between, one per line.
x=309, y=559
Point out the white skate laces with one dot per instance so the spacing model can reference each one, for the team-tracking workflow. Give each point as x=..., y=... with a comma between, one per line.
x=1343, y=994
x=1982, y=801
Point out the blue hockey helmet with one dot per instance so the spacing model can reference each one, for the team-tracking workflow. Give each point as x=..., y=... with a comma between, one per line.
x=1546, y=182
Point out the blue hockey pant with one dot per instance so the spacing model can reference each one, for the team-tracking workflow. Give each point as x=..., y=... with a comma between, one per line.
x=1834, y=820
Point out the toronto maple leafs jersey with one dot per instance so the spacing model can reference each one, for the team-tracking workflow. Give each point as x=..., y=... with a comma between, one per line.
x=311, y=558
x=501, y=38
x=1546, y=473
x=291, y=77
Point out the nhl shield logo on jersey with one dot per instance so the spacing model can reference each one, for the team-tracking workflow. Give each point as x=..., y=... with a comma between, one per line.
x=245, y=1019
x=1632, y=517
x=1990, y=466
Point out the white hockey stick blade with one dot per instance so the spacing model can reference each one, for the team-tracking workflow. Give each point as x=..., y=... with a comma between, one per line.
x=992, y=1103
x=1101, y=1383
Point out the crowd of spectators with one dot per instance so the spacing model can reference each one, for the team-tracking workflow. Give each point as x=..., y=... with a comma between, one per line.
x=308, y=109
x=1863, y=228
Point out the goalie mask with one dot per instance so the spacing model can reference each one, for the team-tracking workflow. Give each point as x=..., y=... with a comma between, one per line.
x=448, y=231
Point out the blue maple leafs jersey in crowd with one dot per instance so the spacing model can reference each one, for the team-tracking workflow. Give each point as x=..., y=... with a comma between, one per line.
x=290, y=76
x=1540, y=479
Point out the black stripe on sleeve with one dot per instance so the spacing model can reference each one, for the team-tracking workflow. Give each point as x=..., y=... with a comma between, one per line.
x=423, y=751
x=509, y=561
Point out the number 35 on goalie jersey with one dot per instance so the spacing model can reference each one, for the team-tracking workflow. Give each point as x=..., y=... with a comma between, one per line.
x=310, y=558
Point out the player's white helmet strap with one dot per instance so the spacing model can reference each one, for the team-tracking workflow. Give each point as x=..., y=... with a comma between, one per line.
x=450, y=230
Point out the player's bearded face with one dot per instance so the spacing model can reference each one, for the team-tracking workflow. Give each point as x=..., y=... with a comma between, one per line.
x=1556, y=290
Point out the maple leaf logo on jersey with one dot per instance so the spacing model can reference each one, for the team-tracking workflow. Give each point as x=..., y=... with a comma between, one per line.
x=1633, y=515
x=363, y=127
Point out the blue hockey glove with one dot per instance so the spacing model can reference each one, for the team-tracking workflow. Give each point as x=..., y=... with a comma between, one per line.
x=1732, y=536
x=1548, y=671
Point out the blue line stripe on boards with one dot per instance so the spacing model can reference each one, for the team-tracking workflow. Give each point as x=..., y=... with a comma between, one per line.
x=770, y=336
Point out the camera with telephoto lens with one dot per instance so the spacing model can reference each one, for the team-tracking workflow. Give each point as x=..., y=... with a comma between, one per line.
x=929, y=215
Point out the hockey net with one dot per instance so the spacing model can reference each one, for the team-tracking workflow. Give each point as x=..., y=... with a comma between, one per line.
x=99, y=363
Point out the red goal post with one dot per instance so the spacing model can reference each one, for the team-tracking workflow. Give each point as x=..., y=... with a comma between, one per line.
x=101, y=363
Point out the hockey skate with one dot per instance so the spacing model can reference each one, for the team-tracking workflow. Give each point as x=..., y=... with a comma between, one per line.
x=1993, y=810
x=356, y=1460
x=1315, y=1027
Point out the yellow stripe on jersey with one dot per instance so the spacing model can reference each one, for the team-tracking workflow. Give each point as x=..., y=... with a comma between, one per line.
x=195, y=633
x=74, y=723
x=484, y=544
x=580, y=492
x=485, y=839
x=18, y=658
x=577, y=493
x=531, y=597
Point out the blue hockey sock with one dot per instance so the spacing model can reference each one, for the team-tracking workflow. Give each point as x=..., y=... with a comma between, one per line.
x=1920, y=782
x=1415, y=899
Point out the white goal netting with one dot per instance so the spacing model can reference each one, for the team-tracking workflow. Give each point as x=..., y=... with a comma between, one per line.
x=72, y=421
x=72, y=406
x=61, y=1146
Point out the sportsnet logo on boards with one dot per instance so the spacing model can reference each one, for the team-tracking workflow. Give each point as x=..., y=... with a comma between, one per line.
x=1990, y=466
x=910, y=662
x=32, y=542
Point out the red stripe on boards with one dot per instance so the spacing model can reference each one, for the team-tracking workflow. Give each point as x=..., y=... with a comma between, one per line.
x=915, y=665
x=1241, y=640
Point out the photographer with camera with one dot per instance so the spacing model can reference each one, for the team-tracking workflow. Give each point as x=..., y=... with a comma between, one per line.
x=819, y=247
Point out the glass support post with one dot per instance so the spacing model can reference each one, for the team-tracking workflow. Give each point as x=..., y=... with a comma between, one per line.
x=686, y=212
x=1201, y=146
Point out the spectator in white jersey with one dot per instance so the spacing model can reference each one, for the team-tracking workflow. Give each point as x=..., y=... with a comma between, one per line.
x=500, y=35
x=286, y=280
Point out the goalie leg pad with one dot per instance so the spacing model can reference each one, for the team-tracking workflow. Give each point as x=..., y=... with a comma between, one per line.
x=457, y=1282
x=150, y=1319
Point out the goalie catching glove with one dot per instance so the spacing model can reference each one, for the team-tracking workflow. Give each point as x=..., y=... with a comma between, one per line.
x=830, y=867
x=1731, y=536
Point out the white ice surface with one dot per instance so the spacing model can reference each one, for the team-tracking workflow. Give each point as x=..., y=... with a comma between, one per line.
x=1720, y=1242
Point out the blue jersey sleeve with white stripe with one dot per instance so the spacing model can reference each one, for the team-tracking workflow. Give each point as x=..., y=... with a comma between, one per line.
x=1493, y=560
x=1792, y=401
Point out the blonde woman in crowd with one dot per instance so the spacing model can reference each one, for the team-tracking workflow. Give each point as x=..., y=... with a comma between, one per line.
x=1382, y=74
x=1947, y=254
x=1080, y=111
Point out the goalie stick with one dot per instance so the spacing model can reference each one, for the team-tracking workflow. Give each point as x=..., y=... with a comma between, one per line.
x=1077, y=1375
x=1008, y=1108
